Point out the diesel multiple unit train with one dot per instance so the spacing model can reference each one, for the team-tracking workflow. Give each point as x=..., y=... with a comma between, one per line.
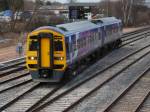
x=54, y=52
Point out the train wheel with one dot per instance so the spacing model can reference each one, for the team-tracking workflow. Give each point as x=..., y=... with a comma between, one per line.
x=68, y=75
x=118, y=43
x=104, y=50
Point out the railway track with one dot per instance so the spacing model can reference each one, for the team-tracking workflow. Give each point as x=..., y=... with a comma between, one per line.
x=32, y=98
x=13, y=76
x=132, y=97
x=69, y=98
x=8, y=98
x=11, y=63
x=145, y=107
x=135, y=38
x=144, y=33
x=25, y=97
x=12, y=66
x=104, y=102
x=7, y=85
x=136, y=32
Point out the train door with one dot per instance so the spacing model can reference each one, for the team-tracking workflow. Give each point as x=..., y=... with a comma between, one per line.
x=46, y=51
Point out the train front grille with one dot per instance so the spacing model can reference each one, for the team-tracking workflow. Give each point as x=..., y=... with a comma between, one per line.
x=58, y=66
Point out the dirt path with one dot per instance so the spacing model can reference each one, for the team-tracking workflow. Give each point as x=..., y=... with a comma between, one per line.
x=8, y=53
x=126, y=30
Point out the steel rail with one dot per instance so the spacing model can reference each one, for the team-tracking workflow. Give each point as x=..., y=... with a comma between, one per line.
x=17, y=98
x=16, y=85
x=126, y=90
x=105, y=82
x=89, y=78
x=13, y=70
x=14, y=78
x=136, y=31
x=140, y=106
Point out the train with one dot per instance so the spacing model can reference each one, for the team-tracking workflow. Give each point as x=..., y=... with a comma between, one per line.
x=54, y=52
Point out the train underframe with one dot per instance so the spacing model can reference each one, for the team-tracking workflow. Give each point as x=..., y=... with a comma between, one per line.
x=47, y=75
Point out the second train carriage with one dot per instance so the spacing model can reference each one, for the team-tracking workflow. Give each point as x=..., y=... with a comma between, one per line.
x=51, y=51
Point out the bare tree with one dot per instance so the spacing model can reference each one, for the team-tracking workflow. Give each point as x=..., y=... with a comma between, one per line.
x=16, y=6
x=127, y=10
x=127, y=7
x=38, y=4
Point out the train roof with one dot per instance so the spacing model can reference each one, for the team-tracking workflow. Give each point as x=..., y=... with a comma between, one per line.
x=107, y=20
x=86, y=25
x=77, y=26
x=74, y=27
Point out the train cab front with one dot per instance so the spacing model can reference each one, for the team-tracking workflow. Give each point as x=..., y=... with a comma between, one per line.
x=46, y=56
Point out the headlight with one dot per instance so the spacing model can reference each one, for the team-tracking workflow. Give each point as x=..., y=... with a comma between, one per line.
x=32, y=58
x=61, y=58
x=58, y=58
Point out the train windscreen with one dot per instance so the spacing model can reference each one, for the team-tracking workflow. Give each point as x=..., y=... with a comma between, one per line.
x=33, y=46
x=58, y=46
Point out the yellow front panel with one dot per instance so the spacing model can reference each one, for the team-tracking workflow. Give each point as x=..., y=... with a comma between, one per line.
x=45, y=58
x=45, y=52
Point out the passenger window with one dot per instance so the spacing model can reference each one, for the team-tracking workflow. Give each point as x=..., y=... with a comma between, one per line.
x=91, y=39
x=99, y=36
x=73, y=47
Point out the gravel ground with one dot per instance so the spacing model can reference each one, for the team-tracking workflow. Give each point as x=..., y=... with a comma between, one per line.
x=65, y=101
x=13, y=93
x=132, y=99
x=30, y=99
x=104, y=96
x=13, y=75
x=14, y=82
x=105, y=62
x=8, y=53
x=146, y=106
